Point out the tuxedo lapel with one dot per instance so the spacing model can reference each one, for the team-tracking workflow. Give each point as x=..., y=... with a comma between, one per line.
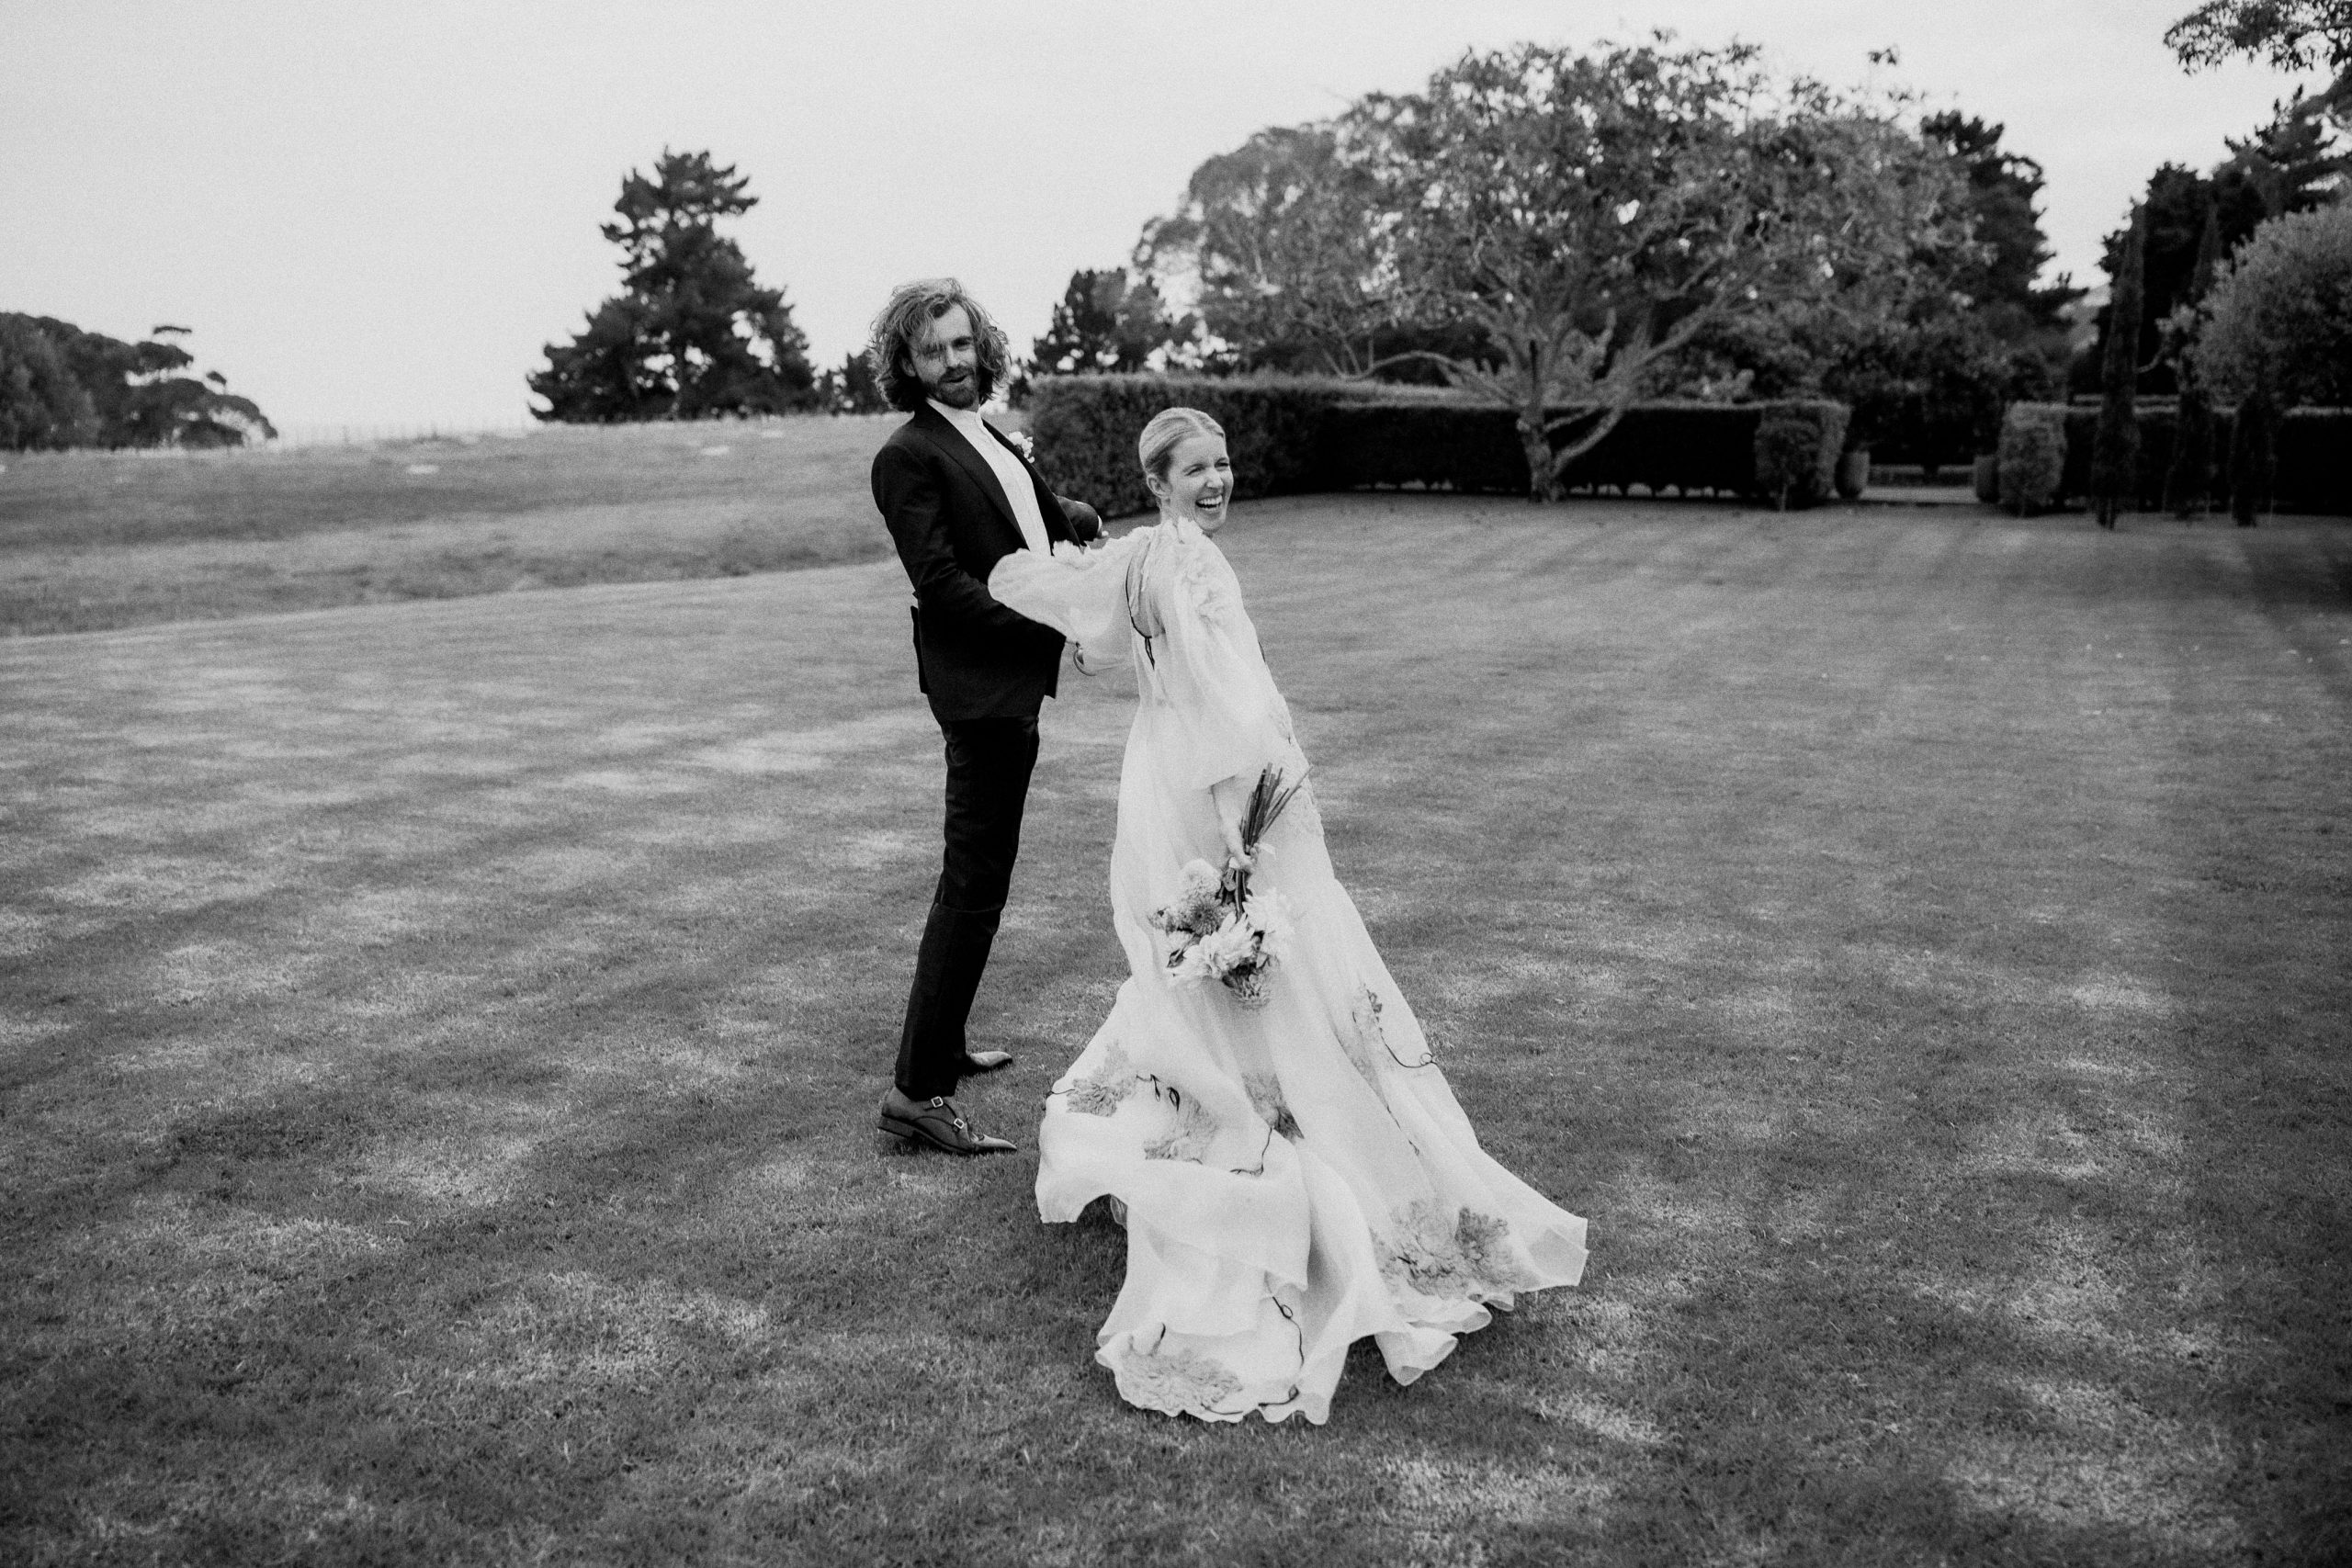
x=950, y=441
x=1049, y=510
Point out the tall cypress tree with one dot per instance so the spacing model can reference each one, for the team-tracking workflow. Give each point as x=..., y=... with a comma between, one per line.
x=2189, y=481
x=2254, y=456
x=2116, y=452
x=692, y=335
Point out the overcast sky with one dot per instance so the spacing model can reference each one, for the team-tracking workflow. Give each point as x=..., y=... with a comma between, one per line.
x=382, y=213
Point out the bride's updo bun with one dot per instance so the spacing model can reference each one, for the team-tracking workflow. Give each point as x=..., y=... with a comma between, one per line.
x=1169, y=429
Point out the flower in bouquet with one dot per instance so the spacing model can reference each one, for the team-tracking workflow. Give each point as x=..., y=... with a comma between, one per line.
x=1222, y=930
x=1198, y=907
x=1268, y=912
x=1247, y=941
x=1236, y=945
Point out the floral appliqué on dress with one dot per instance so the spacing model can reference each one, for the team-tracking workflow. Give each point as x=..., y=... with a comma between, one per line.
x=1365, y=1038
x=1210, y=591
x=1432, y=1256
x=1101, y=1094
x=1366, y=1042
x=1189, y=1138
x=1177, y=1383
x=1266, y=1098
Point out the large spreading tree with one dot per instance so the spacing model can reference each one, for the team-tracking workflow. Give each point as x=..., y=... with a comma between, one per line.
x=692, y=334
x=2000, y=275
x=1280, y=245
x=2293, y=34
x=1593, y=214
x=1928, y=359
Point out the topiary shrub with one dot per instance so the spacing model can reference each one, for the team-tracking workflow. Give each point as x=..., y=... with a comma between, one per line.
x=1853, y=474
x=1797, y=444
x=2033, y=457
x=1986, y=476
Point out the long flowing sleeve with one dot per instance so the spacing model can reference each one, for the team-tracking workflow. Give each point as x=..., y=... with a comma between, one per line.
x=1199, y=656
x=1079, y=593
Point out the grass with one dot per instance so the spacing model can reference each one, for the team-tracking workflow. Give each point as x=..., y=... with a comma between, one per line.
x=94, y=540
x=440, y=1041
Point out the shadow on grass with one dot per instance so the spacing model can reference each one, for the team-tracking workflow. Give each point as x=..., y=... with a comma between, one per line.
x=1930, y=1009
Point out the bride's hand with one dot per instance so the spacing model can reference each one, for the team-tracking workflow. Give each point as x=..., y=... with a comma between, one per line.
x=1231, y=798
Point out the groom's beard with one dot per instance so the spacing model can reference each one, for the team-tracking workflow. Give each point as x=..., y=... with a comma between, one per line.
x=966, y=393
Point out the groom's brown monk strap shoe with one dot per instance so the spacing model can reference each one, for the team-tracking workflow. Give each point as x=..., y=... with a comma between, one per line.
x=936, y=1124
x=984, y=1062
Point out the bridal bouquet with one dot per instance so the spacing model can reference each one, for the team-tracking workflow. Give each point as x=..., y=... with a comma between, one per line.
x=1222, y=931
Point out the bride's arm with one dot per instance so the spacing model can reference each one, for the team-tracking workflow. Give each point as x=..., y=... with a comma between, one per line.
x=1203, y=659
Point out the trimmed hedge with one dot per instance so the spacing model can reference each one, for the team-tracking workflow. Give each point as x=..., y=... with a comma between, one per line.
x=1296, y=434
x=1085, y=428
x=1474, y=448
x=2314, y=454
x=2314, y=460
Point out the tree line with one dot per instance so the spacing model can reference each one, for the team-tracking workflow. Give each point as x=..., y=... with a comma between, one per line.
x=61, y=387
x=1567, y=233
x=1563, y=233
x=2233, y=289
x=1543, y=226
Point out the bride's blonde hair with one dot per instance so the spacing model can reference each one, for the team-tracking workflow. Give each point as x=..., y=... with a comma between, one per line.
x=1167, y=430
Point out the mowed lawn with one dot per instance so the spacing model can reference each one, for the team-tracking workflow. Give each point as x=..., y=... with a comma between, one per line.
x=90, y=540
x=441, y=1040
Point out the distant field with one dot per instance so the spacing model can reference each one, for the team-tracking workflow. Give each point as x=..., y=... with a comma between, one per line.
x=92, y=540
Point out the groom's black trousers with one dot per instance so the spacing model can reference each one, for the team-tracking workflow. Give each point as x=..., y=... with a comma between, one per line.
x=988, y=763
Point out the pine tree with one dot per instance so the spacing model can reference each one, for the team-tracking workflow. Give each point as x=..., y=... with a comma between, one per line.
x=2003, y=189
x=1105, y=322
x=692, y=335
x=851, y=389
x=2115, y=454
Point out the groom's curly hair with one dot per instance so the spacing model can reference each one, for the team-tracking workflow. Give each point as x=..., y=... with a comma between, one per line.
x=889, y=354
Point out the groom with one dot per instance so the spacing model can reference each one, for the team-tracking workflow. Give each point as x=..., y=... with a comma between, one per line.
x=958, y=497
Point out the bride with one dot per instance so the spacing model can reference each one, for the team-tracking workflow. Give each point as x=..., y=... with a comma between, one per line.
x=1261, y=1107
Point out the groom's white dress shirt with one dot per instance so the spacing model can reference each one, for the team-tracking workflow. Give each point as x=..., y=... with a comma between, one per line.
x=1008, y=473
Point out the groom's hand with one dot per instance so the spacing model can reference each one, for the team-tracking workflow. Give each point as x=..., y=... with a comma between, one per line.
x=1085, y=523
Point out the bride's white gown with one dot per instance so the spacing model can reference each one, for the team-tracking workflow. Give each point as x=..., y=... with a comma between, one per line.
x=1295, y=1176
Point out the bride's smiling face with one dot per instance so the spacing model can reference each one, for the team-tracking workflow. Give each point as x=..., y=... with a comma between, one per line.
x=1199, y=482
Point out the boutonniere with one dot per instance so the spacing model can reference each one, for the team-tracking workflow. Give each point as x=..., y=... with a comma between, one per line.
x=1021, y=443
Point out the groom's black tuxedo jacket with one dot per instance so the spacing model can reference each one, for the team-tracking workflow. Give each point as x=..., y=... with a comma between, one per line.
x=950, y=519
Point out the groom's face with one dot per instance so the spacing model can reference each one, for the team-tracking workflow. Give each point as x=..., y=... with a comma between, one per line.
x=947, y=359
